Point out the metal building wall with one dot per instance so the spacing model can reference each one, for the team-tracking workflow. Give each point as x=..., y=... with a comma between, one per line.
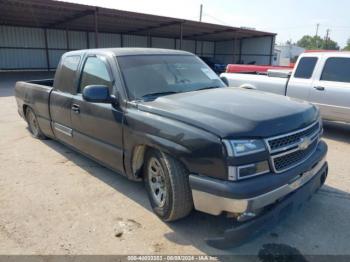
x=57, y=45
x=22, y=48
x=134, y=41
x=26, y=48
x=158, y=42
x=187, y=45
x=205, y=48
x=105, y=40
x=258, y=50
x=227, y=51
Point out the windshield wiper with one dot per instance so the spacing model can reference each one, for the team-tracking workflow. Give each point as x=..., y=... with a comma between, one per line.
x=157, y=94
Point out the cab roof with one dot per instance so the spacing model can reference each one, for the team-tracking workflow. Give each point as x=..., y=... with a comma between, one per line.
x=129, y=51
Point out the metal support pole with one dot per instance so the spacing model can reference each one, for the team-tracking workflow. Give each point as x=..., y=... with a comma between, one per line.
x=272, y=47
x=87, y=40
x=215, y=50
x=240, y=52
x=181, y=36
x=200, y=13
x=149, y=39
x=47, y=50
x=67, y=39
x=234, y=47
x=96, y=28
x=121, y=40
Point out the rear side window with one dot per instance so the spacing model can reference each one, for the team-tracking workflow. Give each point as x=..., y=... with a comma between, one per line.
x=305, y=67
x=336, y=69
x=95, y=72
x=65, y=80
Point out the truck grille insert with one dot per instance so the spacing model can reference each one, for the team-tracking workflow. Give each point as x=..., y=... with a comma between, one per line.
x=284, y=162
x=281, y=142
x=290, y=150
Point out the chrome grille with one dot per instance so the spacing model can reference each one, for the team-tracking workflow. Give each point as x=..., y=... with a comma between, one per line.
x=290, y=150
x=292, y=139
x=282, y=163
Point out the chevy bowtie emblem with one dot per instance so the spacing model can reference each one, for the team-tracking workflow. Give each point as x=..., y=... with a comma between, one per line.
x=304, y=143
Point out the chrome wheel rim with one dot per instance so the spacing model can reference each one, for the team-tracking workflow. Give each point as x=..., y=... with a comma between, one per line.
x=33, y=123
x=156, y=181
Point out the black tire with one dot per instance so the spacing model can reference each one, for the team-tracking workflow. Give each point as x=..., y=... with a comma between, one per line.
x=177, y=201
x=33, y=124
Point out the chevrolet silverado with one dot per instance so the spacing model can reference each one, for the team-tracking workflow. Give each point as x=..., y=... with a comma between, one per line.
x=165, y=118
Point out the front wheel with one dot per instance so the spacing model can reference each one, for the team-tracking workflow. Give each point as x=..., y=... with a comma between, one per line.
x=167, y=185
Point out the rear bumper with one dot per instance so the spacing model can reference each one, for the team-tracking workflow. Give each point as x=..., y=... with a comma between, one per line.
x=240, y=234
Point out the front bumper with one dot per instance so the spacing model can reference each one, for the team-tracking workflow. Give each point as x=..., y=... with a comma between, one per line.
x=240, y=234
x=214, y=196
x=264, y=208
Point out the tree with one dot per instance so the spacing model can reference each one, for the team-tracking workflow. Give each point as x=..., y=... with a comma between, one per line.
x=316, y=42
x=347, y=48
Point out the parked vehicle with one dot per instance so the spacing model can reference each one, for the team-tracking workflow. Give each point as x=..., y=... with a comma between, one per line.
x=216, y=66
x=163, y=116
x=254, y=69
x=322, y=78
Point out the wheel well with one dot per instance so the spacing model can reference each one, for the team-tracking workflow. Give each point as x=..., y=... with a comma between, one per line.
x=138, y=159
x=25, y=107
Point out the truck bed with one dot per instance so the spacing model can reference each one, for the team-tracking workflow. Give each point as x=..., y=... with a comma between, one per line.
x=264, y=83
x=35, y=94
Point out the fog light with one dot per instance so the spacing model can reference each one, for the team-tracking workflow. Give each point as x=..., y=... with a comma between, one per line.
x=246, y=171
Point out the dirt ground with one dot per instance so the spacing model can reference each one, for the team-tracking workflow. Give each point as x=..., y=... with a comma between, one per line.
x=55, y=201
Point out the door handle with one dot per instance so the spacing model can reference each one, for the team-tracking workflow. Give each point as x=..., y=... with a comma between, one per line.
x=76, y=108
x=319, y=88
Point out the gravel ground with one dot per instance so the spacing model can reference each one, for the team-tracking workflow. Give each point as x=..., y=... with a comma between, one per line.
x=55, y=201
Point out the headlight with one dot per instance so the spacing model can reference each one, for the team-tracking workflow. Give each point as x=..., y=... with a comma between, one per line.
x=244, y=147
x=247, y=171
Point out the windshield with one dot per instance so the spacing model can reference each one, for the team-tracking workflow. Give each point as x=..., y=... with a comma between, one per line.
x=155, y=75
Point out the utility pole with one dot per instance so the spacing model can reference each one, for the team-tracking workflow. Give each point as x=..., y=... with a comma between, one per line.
x=317, y=27
x=201, y=13
x=327, y=37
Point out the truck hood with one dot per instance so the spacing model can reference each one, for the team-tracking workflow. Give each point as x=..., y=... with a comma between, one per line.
x=235, y=112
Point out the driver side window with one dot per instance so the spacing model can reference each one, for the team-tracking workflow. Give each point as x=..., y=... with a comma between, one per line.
x=95, y=72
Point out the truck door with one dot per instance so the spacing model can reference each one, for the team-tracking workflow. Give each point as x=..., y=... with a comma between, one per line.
x=331, y=90
x=97, y=127
x=301, y=80
x=61, y=98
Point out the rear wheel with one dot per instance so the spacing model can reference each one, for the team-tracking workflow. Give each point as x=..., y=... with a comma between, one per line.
x=167, y=185
x=33, y=124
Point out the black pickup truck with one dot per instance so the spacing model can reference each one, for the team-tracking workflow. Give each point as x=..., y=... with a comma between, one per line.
x=164, y=117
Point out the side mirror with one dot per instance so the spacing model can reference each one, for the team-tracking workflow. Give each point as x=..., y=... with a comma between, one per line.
x=97, y=94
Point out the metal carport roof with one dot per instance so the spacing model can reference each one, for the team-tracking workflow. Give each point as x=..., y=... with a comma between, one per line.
x=63, y=15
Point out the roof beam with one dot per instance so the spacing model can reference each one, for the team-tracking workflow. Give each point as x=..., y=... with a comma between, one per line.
x=210, y=33
x=72, y=18
x=148, y=28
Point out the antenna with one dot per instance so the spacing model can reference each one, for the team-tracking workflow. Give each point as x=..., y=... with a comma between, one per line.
x=201, y=13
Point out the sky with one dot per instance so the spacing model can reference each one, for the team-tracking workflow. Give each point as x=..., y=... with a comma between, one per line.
x=290, y=19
